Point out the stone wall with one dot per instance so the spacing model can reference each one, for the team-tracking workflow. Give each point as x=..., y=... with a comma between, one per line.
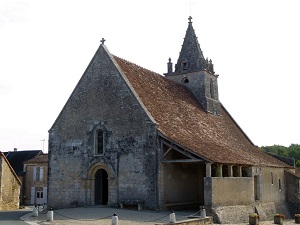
x=102, y=100
x=228, y=191
x=293, y=192
x=9, y=187
x=273, y=186
x=204, y=87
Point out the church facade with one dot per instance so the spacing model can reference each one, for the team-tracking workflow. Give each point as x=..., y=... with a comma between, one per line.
x=127, y=133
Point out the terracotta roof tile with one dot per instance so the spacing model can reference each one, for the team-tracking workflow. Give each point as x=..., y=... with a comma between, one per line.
x=182, y=119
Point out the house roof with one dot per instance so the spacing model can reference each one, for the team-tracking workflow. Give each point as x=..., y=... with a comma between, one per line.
x=42, y=158
x=181, y=118
x=297, y=171
x=12, y=170
x=17, y=158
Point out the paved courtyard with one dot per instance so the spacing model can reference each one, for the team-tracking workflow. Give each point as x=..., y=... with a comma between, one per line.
x=99, y=215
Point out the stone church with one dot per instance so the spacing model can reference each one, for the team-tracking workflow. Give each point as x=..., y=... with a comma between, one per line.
x=127, y=133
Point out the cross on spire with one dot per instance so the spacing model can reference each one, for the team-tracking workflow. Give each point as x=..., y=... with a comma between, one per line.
x=102, y=41
x=190, y=19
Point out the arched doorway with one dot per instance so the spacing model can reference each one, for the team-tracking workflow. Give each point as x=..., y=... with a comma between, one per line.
x=101, y=187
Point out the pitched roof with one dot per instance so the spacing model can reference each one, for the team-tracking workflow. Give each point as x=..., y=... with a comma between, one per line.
x=12, y=170
x=297, y=169
x=182, y=119
x=17, y=158
x=42, y=158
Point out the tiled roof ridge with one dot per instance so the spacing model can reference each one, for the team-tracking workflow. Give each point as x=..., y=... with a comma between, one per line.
x=127, y=61
x=38, y=158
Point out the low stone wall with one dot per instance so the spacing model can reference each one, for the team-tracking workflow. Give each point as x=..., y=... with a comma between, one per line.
x=232, y=214
x=202, y=221
x=267, y=210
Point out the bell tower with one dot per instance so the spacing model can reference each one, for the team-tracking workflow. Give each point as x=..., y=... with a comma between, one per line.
x=196, y=72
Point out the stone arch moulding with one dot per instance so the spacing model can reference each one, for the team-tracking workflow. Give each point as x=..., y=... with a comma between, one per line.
x=112, y=185
x=99, y=165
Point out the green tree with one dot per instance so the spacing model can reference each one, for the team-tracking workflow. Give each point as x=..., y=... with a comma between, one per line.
x=293, y=151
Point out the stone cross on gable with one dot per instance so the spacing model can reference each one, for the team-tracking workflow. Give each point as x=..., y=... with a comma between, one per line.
x=102, y=41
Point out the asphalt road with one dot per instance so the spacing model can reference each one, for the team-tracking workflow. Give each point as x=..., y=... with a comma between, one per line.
x=13, y=217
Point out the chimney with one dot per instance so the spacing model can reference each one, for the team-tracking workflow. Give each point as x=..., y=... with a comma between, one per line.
x=15, y=149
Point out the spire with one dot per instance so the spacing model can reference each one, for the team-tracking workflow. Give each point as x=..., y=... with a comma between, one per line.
x=196, y=73
x=191, y=58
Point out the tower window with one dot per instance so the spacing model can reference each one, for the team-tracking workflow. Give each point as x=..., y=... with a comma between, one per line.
x=184, y=64
x=99, y=143
x=185, y=80
x=212, y=94
x=279, y=184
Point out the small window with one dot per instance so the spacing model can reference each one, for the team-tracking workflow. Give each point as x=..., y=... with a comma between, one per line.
x=184, y=64
x=185, y=80
x=272, y=178
x=279, y=184
x=212, y=94
x=99, y=148
x=38, y=173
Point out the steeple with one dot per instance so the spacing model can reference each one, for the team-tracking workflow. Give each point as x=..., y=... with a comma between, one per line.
x=196, y=72
x=191, y=58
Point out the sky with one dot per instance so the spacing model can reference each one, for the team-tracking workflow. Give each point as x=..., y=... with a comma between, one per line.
x=45, y=46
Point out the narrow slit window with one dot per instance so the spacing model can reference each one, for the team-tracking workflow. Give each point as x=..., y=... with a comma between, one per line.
x=279, y=184
x=212, y=94
x=272, y=178
x=99, y=142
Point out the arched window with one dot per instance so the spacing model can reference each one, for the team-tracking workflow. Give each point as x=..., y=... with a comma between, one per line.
x=99, y=143
x=185, y=80
x=225, y=172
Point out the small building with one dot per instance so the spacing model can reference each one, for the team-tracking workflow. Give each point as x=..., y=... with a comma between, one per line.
x=16, y=159
x=36, y=180
x=293, y=190
x=10, y=186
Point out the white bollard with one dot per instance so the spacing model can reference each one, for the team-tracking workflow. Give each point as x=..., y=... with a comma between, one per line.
x=202, y=213
x=35, y=212
x=50, y=215
x=172, y=217
x=114, y=220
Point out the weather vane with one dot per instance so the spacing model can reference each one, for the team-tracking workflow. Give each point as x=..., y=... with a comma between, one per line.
x=190, y=7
